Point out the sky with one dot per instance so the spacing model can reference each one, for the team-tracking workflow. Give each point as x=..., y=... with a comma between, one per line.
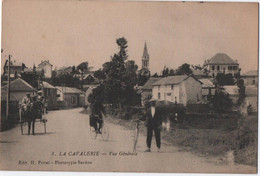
x=68, y=32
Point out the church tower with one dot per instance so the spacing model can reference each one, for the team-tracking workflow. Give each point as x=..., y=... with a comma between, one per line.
x=145, y=58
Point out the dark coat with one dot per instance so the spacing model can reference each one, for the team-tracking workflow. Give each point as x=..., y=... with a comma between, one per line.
x=155, y=121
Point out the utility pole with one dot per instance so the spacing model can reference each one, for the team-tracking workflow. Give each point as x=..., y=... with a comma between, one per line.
x=8, y=88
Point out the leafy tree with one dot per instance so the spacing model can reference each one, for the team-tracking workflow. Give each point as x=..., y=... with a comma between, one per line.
x=155, y=75
x=73, y=71
x=242, y=91
x=83, y=67
x=99, y=74
x=221, y=102
x=184, y=69
x=67, y=80
x=165, y=71
x=118, y=77
x=142, y=79
x=224, y=79
x=31, y=78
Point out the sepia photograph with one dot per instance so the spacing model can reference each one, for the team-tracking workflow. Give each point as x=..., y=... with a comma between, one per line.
x=129, y=86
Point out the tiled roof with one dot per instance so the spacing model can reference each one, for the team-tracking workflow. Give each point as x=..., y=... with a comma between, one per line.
x=198, y=72
x=47, y=85
x=170, y=80
x=206, y=83
x=221, y=58
x=42, y=62
x=69, y=90
x=19, y=85
x=14, y=63
x=150, y=82
x=251, y=73
x=231, y=90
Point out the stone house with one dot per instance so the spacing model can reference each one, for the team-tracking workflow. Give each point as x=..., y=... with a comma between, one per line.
x=50, y=93
x=147, y=88
x=250, y=77
x=181, y=89
x=46, y=67
x=15, y=68
x=208, y=89
x=222, y=63
x=70, y=97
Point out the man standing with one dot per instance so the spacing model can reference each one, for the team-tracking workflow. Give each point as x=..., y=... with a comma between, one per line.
x=154, y=122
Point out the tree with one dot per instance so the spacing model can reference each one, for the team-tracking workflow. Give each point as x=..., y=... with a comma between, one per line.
x=184, y=69
x=221, y=102
x=118, y=77
x=99, y=74
x=242, y=91
x=83, y=67
x=73, y=71
x=142, y=79
x=224, y=79
x=155, y=75
x=67, y=80
x=31, y=78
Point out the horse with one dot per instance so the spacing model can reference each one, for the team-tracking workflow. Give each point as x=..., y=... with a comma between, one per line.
x=30, y=113
x=28, y=116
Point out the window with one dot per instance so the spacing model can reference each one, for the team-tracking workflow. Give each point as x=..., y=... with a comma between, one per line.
x=213, y=67
x=213, y=75
x=159, y=88
x=172, y=86
x=218, y=67
x=234, y=67
x=229, y=67
x=253, y=81
x=159, y=96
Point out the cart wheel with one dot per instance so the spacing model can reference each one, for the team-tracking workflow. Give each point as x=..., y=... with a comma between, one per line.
x=105, y=132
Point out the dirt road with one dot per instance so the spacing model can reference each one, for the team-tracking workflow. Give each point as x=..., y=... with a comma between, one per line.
x=68, y=146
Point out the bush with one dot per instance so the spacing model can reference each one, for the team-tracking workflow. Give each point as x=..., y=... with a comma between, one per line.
x=246, y=146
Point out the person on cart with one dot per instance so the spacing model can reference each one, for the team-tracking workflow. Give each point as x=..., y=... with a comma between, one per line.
x=26, y=102
x=154, y=124
x=96, y=116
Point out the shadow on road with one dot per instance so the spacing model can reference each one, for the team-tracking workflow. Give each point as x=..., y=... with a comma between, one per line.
x=39, y=134
x=7, y=142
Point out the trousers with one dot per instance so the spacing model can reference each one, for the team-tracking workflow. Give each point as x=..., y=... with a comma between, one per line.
x=150, y=129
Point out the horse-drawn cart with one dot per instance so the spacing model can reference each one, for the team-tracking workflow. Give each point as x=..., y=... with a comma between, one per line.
x=31, y=115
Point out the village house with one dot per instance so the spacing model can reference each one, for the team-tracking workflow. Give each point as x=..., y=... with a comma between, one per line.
x=64, y=70
x=18, y=90
x=46, y=67
x=50, y=94
x=146, y=90
x=30, y=70
x=181, y=89
x=15, y=68
x=70, y=97
x=250, y=77
x=208, y=89
x=198, y=73
x=222, y=63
